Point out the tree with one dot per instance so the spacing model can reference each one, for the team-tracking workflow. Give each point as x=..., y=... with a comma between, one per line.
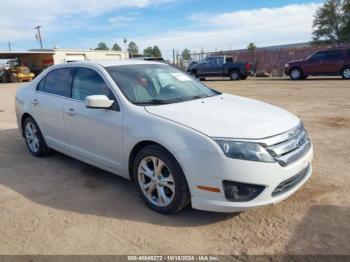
x=102, y=46
x=148, y=51
x=133, y=49
x=251, y=46
x=152, y=51
x=186, y=54
x=332, y=22
x=156, y=51
x=116, y=47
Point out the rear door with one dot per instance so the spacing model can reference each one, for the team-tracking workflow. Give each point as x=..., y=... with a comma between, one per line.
x=333, y=61
x=52, y=93
x=94, y=135
x=216, y=66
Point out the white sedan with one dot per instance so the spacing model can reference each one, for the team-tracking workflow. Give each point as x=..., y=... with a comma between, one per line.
x=182, y=142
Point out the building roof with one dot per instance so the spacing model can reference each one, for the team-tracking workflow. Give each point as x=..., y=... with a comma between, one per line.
x=107, y=63
x=16, y=54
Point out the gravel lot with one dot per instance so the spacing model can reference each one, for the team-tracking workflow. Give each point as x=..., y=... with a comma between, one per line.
x=58, y=205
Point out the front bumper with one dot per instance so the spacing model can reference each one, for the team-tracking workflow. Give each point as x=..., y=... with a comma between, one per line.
x=287, y=71
x=210, y=169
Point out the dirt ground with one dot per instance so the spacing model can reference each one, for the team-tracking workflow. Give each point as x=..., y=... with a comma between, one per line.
x=57, y=205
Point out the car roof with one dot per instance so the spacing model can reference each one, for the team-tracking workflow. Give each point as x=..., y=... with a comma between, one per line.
x=108, y=63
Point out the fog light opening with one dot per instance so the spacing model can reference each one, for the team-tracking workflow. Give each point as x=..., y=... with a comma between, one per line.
x=240, y=192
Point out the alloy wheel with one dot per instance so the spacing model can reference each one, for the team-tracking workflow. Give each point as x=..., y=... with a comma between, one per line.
x=156, y=181
x=346, y=73
x=295, y=74
x=234, y=75
x=31, y=134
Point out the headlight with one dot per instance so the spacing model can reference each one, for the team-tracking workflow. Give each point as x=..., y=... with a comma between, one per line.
x=286, y=65
x=245, y=151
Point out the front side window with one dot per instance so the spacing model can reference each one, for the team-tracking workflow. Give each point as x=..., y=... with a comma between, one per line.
x=157, y=84
x=57, y=82
x=88, y=82
x=319, y=56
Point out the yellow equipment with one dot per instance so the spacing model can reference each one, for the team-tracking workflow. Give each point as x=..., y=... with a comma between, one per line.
x=16, y=72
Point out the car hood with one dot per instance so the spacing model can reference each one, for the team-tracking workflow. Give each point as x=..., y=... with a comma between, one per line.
x=296, y=61
x=228, y=116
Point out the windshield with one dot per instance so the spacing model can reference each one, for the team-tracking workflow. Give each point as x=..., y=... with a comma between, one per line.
x=157, y=84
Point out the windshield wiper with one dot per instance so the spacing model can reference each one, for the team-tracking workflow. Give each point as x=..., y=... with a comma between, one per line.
x=170, y=101
x=194, y=97
x=153, y=102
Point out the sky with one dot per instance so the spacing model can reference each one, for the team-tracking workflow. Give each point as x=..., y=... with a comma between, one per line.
x=207, y=25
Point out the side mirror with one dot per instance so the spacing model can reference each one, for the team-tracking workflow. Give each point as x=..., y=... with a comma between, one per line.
x=98, y=101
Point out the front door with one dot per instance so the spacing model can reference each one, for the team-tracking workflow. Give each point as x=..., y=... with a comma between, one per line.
x=94, y=135
x=315, y=64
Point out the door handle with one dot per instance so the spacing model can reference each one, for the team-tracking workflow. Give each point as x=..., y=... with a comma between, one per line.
x=71, y=112
x=35, y=102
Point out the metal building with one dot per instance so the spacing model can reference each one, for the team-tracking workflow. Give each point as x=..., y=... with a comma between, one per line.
x=38, y=60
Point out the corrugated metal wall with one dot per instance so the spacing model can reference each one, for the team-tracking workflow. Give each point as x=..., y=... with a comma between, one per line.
x=272, y=60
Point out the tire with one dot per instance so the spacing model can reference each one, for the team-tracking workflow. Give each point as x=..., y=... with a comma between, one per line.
x=244, y=77
x=296, y=73
x=345, y=73
x=4, y=77
x=202, y=79
x=235, y=75
x=305, y=77
x=194, y=74
x=14, y=79
x=34, y=139
x=167, y=180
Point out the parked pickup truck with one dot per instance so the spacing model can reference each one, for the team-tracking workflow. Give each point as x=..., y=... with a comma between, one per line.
x=326, y=62
x=219, y=66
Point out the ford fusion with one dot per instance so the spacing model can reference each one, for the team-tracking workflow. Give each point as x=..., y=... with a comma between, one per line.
x=181, y=142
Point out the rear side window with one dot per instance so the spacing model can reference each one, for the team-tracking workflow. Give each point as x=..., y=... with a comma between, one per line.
x=57, y=82
x=334, y=54
x=348, y=52
x=88, y=82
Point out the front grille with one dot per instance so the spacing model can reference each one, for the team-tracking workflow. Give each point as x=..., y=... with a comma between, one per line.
x=291, y=182
x=288, y=147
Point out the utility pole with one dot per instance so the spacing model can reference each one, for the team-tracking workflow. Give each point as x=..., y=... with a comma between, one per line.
x=10, y=49
x=173, y=56
x=39, y=36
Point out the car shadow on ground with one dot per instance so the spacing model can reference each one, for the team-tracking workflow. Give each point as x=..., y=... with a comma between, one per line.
x=61, y=182
x=275, y=79
x=324, y=230
x=302, y=80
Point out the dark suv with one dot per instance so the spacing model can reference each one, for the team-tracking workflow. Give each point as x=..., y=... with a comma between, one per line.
x=219, y=66
x=327, y=62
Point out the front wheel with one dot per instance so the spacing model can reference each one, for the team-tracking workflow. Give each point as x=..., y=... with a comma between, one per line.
x=296, y=74
x=345, y=73
x=34, y=139
x=194, y=73
x=160, y=180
